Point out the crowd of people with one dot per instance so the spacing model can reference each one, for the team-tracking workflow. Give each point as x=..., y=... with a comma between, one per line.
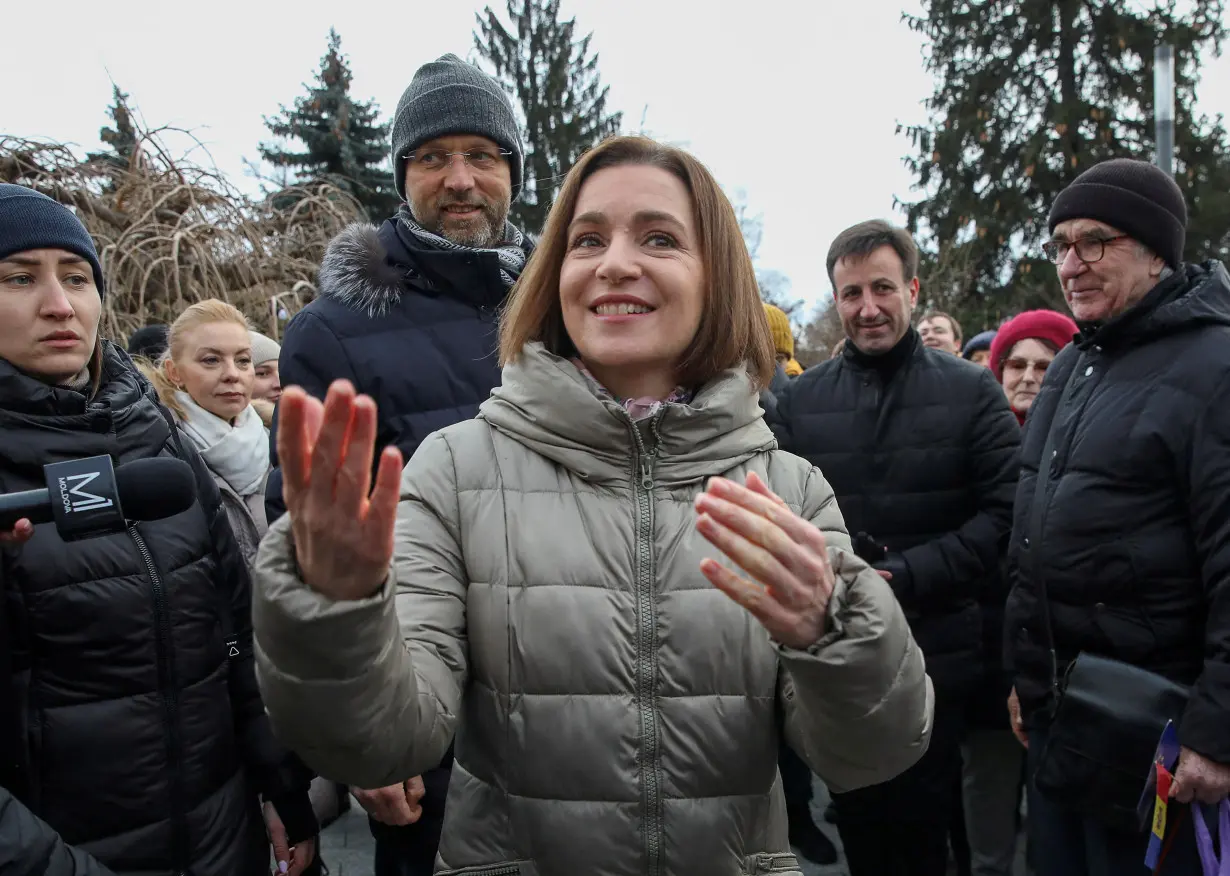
x=550, y=553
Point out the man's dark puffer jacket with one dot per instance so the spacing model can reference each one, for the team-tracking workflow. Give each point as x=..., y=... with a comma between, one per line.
x=1132, y=539
x=927, y=466
x=416, y=329
x=143, y=744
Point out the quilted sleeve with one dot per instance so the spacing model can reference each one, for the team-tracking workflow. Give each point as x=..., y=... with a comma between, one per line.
x=367, y=692
x=858, y=704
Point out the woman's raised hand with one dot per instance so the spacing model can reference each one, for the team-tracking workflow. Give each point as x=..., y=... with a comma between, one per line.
x=785, y=554
x=343, y=537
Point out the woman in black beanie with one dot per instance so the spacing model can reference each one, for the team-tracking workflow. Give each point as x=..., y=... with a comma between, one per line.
x=132, y=732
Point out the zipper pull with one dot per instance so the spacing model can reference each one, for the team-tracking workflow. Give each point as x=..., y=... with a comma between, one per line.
x=646, y=473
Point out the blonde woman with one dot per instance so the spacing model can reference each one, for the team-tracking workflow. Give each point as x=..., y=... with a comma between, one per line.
x=206, y=379
x=555, y=583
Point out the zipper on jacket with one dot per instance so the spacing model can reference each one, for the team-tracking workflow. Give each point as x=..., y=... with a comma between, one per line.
x=647, y=650
x=170, y=704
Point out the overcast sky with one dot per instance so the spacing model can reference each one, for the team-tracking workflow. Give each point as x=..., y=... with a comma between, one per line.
x=796, y=103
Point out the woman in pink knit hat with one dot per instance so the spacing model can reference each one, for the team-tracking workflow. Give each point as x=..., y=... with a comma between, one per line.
x=1022, y=350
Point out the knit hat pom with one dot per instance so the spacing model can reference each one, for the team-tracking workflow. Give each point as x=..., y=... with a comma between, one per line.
x=1046, y=325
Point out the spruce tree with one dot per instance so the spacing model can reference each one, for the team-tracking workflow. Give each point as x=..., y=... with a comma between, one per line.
x=554, y=79
x=343, y=141
x=121, y=140
x=1030, y=93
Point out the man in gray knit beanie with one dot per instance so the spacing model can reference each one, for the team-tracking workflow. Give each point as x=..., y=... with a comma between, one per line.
x=407, y=313
x=457, y=155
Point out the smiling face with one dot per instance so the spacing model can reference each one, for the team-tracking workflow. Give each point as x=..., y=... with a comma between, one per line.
x=938, y=333
x=632, y=281
x=49, y=312
x=1100, y=290
x=460, y=201
x=874, y=299
x=214, y=366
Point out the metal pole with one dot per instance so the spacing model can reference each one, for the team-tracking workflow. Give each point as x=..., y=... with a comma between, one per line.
x=1163, y=106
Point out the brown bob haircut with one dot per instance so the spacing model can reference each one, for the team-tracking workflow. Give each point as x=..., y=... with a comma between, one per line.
x=733, y=328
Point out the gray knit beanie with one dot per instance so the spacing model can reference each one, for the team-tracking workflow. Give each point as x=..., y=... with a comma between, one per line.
x=264, y=349
x=448, y=96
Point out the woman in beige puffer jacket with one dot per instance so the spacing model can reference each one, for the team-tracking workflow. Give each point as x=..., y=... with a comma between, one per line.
x=550, y=593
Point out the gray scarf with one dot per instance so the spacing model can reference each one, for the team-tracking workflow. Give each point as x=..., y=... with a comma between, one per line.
x=510, y=251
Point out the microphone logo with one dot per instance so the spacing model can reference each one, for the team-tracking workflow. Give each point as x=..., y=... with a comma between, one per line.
x=75, y=497
x=84, y=497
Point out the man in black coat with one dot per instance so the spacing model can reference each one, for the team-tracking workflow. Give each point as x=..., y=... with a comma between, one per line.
x=921, y=449
x=1130, y=536
x=407, y=313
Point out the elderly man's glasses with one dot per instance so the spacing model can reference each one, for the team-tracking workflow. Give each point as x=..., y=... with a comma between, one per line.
x=438, y=159
x=1088, y=249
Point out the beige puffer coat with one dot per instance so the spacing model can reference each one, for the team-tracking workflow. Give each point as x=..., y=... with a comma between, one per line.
x=615, y=714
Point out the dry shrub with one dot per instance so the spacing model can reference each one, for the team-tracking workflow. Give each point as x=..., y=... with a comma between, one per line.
x=170, y=233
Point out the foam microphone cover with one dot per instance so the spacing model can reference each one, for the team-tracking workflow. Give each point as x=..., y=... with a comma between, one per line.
x=155, y=488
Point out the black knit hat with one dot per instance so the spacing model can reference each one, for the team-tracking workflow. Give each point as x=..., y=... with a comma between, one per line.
x=449, y=96
x=1139, y=199
x=149, y=341
x=31, y=220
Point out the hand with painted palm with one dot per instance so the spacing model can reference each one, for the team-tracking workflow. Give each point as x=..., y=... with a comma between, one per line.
x=343, y=537
x=792, y=579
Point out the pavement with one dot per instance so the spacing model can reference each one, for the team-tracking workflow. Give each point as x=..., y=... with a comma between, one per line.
x=348, y=849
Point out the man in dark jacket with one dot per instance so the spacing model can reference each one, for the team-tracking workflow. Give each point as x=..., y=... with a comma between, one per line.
x=407, y=313
x=1130, y=535
x=921, y=450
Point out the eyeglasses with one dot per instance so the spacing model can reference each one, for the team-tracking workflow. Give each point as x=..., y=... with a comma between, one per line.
x=1022, y=365
x=1088, y=249
x=437, y=159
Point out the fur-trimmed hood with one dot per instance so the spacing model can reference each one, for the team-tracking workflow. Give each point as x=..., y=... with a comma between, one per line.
x=358, y=272
x=368, y=269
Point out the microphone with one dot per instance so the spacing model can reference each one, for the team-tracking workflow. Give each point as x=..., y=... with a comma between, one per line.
x=89, y=497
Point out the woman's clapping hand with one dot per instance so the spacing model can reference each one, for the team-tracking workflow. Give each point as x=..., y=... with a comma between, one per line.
x=343, y=537
x=786, y=556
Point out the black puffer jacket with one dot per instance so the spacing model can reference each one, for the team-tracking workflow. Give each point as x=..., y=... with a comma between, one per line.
x=416, y=329
x=1134, y=539
x=141, y=742
x=926, y=464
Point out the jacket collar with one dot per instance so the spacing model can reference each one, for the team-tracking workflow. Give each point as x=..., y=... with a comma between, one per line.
x=368, y=268
x=1192, y=296
x=546, y=404
x=41, y=423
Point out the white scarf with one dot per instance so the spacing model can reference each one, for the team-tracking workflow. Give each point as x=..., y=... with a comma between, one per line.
x=238, y=454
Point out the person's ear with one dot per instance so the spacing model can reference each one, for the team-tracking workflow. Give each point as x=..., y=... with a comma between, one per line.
x=172, y=373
